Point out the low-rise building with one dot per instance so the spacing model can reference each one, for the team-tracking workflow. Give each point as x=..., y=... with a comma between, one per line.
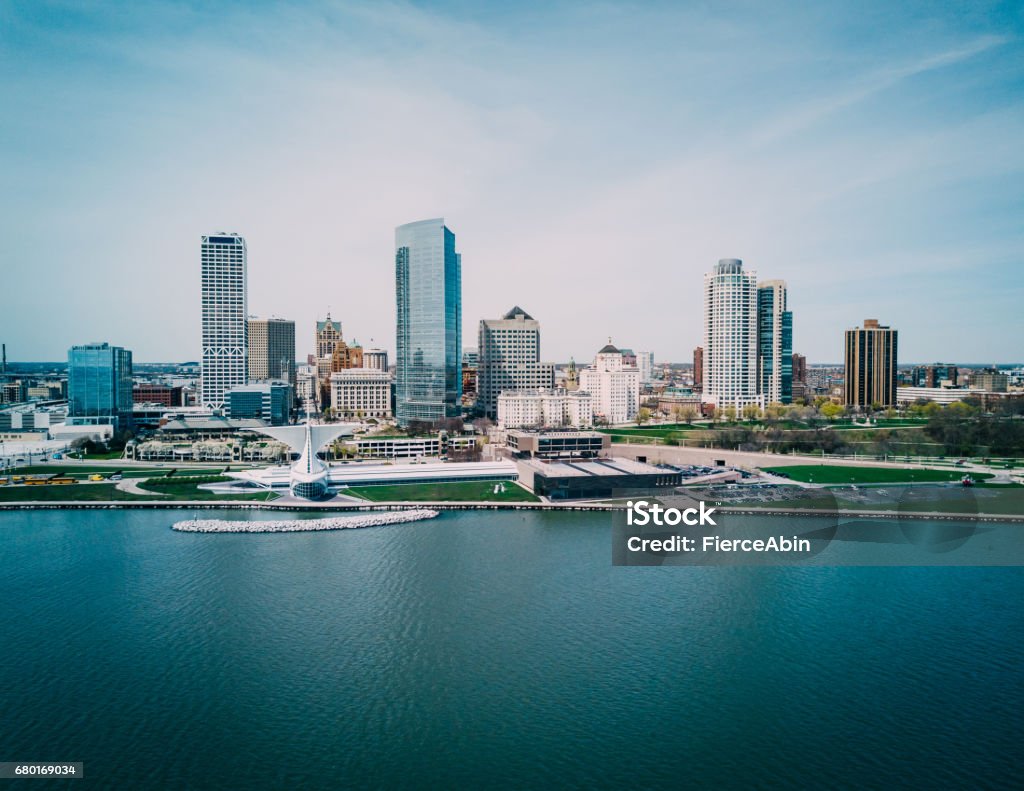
x=990, y=381
x=545, y=408
x=597, y=478
x=152, y=393
x=940, y=395
x=439, y=444
x=674, y=399
x=361, y=393
x=270, y=402
x=557, y=444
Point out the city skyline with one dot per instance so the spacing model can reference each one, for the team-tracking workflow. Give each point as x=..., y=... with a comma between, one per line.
x=862, y=153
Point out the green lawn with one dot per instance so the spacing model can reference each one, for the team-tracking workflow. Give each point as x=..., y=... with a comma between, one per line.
x=451, y=492
x=183, y=489
x=92, y=492
x=85, y=470
x=825, y=473
x=78, y=492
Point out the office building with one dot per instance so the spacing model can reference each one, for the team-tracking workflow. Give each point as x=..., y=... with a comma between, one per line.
x=99, y=385
x=151, y=393
x=225, y=325
x=614, y=386
x=361, y=393
x=509, y=359
x=545, y=408
x=557, y=444
x=698, y=369
x=270, y=402
x=272, y=350
x=799, y=369
x=990, y=380
x=428, y=296
x=645, y=365
x=307, y=388
x=870, y=368
x=775, y=343
x=730, y=375
x=332, y=353
x=377, y=359
x=13, y=392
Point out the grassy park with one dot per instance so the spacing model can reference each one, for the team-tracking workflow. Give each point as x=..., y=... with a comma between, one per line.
x=451, y=492
x=85, y=470
x=165, y=489
x=74, y=492
x=840, y=474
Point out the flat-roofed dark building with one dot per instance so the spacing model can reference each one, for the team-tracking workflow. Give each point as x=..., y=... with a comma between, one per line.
x=165, y=395
x=595, y=478
x=557, y=444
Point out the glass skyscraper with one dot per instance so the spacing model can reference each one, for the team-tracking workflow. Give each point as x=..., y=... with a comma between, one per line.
x=428, y=294
x=775, y=343
x=99, y=385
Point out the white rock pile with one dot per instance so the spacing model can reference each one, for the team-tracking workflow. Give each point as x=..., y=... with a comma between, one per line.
x=371, y=519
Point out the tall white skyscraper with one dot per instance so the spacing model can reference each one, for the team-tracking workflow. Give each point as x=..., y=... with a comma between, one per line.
x=730, y=336
x=225, y=323
x=508, y=359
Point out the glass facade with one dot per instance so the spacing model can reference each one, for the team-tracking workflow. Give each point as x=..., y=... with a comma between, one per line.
x=428, y=294
x=270, y=401
x=99, y=385
x=775, y=343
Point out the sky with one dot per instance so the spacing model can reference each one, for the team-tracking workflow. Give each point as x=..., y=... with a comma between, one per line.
x=594, y=160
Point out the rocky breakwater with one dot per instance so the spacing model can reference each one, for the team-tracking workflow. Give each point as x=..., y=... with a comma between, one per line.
x=377, y=519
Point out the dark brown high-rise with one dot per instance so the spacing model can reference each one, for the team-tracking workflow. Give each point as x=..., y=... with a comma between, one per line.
x=698, y=369
x=871, y=365
x=799, y=368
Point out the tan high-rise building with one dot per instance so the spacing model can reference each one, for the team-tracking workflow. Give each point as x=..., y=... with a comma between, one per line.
x=333, y=354
x=328, y=333
x=272, y=350
x=870, y=365
x=509, y=359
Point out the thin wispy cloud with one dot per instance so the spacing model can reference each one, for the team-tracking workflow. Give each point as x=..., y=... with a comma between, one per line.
x=593, y=160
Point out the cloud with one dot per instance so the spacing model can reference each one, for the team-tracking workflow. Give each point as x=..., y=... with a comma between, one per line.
x=593, y=163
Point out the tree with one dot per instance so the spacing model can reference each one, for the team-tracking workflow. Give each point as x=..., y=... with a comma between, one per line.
x=831, y=410
x=643, y=415
x=730, y=413
x=688, y=413
x=751, y=412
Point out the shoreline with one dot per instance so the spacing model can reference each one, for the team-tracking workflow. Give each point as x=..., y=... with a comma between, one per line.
x=484, y=506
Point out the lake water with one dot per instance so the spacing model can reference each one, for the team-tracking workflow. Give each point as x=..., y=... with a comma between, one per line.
x=490, y=649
